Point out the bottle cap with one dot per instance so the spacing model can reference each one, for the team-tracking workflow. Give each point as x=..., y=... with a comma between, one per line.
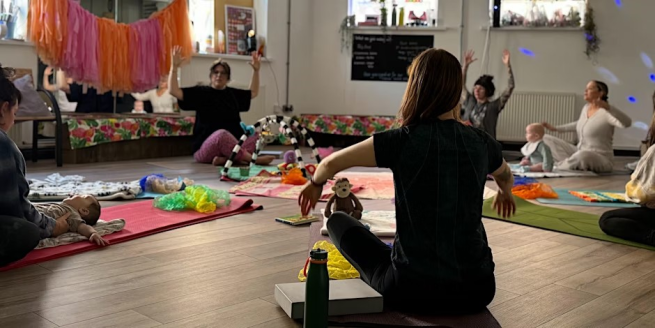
x=318, y=254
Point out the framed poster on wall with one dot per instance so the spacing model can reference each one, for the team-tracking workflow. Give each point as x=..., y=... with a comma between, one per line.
x=238, y=22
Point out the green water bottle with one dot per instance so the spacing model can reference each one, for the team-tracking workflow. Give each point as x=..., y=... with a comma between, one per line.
x=317, y=290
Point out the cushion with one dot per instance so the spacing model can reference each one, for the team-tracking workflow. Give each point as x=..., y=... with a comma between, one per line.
x=32, y=104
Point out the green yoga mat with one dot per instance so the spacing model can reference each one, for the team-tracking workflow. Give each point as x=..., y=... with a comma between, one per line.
x=234, y=173
x=565, y=198
x=555, y=219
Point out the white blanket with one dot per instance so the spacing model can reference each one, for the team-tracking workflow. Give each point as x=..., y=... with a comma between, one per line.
x=57, y=187
x=383, y=223
x=103, y=228
x=516, y=170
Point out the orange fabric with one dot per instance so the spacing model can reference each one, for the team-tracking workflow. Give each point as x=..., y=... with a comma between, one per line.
x=176, y=29
x=534, y=191
x=48, y=28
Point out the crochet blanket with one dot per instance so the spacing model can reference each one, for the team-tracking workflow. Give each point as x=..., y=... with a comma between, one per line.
x=57, y=187
x=102, y=227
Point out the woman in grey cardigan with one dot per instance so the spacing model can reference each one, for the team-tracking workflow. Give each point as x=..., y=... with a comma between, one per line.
x=478, y=110
x=595, y=130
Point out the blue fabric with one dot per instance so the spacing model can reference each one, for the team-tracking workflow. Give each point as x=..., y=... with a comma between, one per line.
x=565, y=198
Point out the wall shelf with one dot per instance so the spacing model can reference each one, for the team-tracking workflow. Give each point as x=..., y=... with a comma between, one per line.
x=417, y=29
x=16, y=43
x=228, y=57
x=533, y=29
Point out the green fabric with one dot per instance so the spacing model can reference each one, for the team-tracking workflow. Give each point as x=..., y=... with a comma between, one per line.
x=555, y=219
x=234, y=173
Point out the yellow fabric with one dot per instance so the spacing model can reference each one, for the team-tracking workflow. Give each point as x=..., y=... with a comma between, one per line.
x=338, y=267
x=641, y=187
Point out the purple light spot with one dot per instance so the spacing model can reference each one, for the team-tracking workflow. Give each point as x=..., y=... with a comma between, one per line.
x=646, y=60
x=640, y=125
x=632, y=99
x=526, y=52
x=607, y=75
x=618, y=3
x=652, y=77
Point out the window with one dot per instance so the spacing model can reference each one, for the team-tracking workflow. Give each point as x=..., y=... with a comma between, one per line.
x=202, y=18
x=13, y=19
x=415, y=13
x=540, y=13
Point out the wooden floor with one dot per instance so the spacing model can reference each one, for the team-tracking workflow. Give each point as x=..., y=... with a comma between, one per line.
x=222, y=273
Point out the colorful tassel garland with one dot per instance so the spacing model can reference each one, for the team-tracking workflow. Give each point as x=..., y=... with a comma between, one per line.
x=107, y=55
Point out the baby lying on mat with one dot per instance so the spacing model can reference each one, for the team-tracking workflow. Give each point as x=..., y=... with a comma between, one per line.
x=538, y=157
x=85, y=212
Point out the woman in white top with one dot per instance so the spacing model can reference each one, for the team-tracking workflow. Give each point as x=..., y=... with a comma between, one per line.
x=160, y=98
x=595, y=129
x=60, y=88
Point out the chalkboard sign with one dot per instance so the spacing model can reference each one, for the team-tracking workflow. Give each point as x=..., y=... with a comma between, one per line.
x=386, y=57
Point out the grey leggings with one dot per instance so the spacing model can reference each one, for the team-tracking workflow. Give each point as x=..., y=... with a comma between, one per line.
x=17, y=238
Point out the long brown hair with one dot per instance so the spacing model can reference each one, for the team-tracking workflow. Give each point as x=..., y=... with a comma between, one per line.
x=434, y=87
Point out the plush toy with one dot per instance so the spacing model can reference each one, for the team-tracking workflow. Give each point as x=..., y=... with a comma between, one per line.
x=290, y=157
x=249, y=130
x=344, y=200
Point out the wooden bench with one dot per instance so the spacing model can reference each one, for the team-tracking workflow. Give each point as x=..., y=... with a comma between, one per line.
x=50, y=101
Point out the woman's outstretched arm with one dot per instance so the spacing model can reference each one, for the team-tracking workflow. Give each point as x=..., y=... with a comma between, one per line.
x=254, y=81
x=173, y=87
x=361, y=154
x=504, y=97
x=468, y=59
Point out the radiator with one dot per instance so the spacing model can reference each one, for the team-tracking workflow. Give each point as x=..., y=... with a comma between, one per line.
x=21, y=134
x=525, y=108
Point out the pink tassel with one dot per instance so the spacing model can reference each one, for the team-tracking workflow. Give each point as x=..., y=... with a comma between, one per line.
x=80, y=61
x=145, y=52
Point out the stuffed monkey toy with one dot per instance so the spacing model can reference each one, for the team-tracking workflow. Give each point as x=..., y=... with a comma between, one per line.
x=344, y=200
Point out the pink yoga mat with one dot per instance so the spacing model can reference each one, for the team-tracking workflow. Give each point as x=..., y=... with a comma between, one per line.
x=141, y=219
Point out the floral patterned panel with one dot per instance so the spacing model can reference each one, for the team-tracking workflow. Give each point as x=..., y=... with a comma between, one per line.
x=347, y=124
x=90, y=132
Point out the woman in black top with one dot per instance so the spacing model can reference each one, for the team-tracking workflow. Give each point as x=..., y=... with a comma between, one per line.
x=478, y=108
x=440, y=260
x=218, y=122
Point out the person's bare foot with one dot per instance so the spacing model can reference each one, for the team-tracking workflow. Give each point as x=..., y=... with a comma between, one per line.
x=264, y=160
x=219, y=161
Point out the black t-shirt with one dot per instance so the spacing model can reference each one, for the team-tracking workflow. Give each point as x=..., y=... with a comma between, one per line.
x=215, y=110
x=439, y=172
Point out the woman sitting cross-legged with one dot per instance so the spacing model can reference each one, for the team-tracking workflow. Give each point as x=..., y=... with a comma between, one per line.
x=637, y=224
x=595, y=129
x=440, y=260
x=21, y=225
x=218, y=108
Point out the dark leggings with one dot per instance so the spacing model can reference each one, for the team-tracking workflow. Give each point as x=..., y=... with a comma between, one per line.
x=17, y=238
x=634, y=224
x=372, y=258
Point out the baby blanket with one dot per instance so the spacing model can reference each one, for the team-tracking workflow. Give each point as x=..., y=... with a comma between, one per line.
x=102, y=227
x=57, y=187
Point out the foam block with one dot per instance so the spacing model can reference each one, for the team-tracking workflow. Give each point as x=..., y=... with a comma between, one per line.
x=352, y=296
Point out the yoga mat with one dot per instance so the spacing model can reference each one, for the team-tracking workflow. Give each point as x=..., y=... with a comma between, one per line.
x=375, y=185
x=141, y=219
x=399, y=319
x=234, y=173
x=555, y=219
x=265, y=185
x=565, y=198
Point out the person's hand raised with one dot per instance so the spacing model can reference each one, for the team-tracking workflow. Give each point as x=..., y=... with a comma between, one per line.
x=506, y=57
x=469, y=57
x=256, y=61
x=176, y=56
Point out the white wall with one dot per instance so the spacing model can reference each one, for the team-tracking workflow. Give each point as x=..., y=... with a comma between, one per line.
x=559, y=65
